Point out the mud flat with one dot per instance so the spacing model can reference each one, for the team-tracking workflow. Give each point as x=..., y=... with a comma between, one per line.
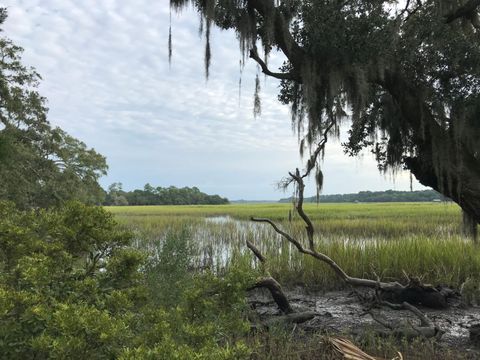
x=341, y=312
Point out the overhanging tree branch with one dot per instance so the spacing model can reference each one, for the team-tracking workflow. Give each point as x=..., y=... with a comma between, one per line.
x=467, y=11
x=266, y=70
x=282, y=35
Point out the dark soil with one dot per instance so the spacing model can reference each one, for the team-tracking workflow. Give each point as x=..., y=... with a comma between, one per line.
x=343, y=312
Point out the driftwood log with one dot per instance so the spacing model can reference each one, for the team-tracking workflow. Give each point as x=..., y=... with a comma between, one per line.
x=277, y=293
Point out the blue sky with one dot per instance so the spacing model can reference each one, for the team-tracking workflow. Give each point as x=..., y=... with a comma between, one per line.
x=108, y=82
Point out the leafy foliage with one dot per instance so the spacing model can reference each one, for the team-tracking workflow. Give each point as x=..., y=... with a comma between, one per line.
x=406, y=74
x=377, y=196
x=40, y=165
x=168, y=272
x=347, y=51
x=71, y=287
x=160, y=196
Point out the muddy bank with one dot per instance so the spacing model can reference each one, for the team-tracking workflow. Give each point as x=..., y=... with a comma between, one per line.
x=340, y=312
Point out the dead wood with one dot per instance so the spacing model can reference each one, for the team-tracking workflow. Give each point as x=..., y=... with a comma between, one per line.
x=256, y=252
x=293, y=318
x=406, y=329
x=414, y=292
x=277, y=293
x=271, y=284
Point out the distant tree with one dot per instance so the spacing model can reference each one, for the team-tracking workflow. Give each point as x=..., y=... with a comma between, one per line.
x=377, y=196
x=116, y=187
x=40, y=165
x=115, y=195
x=406, y=73
x=160, y=196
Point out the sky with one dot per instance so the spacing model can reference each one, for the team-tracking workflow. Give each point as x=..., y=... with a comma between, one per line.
x=108, y=82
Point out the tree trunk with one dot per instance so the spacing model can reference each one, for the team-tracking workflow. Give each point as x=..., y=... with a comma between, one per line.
x=457, y=175
x=461, y=184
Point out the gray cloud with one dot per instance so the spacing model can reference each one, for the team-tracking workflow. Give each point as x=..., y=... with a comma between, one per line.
x=108, y=81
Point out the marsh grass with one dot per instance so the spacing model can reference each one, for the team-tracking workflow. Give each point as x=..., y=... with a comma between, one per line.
x=387, y=239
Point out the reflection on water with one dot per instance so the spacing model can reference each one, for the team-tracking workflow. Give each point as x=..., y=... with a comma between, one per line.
x=220, y=219
x=217, y=239
x=225, y=236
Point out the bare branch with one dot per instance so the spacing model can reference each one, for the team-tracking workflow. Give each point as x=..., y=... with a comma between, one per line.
x=257, y=252
x=426, y=329
x=271, y=284
x=279, y=231
x=406, y=8
x=299, y=206
x=298, y=178
x=320, y=147
x=333, y=265
x=409, y=12
x=381, y=320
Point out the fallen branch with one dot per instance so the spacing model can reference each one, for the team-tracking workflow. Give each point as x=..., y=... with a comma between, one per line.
x=414, y=292
x=276, y=291
x=405, y=329
x=271, y=284
x=256, y=252
x=293, y=318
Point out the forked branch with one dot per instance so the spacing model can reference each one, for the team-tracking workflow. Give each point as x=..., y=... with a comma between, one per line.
x=414, y=291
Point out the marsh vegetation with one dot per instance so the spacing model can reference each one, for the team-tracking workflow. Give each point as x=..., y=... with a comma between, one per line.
x=386, y=241
x=424, y=239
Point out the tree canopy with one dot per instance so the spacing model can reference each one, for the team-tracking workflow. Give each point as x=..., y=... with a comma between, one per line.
x=40, y=165
x=405, y=74
x=160, y=196
x=377, y=196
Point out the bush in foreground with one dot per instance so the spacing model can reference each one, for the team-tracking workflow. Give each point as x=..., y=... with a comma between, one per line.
x=71, y=287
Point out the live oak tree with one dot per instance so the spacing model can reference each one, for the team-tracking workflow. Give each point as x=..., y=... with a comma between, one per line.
x=40, y=165
x=405, y=74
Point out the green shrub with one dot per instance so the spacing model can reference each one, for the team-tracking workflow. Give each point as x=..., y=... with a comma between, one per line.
x=71, y=287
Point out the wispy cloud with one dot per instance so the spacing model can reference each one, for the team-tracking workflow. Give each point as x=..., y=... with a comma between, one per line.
x=108, y=81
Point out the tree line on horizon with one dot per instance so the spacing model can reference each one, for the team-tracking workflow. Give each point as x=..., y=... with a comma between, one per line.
x=150, y=195
x=378, y=196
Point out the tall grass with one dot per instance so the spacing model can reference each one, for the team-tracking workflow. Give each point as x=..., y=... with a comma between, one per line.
x=388, y=239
